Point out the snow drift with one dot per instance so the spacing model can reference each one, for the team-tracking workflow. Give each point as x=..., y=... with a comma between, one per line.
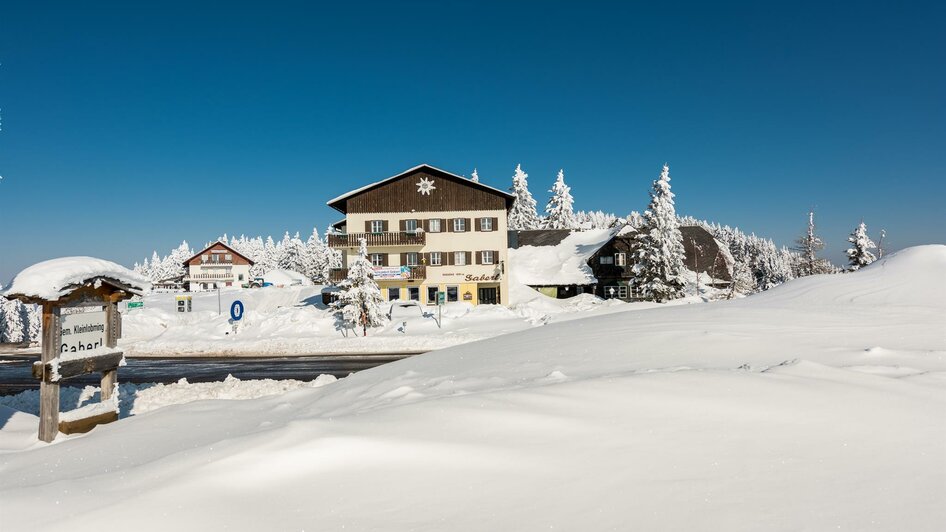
x=815, y=406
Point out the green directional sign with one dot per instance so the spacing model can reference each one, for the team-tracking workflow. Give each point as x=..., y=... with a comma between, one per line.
x=441, y=298
x=135, y=304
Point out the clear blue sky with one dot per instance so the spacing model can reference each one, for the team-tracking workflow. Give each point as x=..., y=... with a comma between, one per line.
x=128, y=128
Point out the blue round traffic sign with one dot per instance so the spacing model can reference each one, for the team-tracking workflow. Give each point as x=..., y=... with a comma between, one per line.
x=236, y=310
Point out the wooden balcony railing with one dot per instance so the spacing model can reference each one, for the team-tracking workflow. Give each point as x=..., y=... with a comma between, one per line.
x=415, y=273
x=351, y=240
x=209, y=277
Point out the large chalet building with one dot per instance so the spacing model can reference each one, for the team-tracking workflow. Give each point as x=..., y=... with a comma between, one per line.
x=428, y=231
x=216, y=266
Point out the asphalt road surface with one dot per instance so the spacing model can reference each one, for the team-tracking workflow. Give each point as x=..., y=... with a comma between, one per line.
x=15, y=374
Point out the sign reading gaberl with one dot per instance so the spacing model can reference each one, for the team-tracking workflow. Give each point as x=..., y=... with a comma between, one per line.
x=82, y=332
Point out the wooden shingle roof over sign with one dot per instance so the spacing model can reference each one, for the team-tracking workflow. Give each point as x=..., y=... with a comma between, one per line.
x=423, y=188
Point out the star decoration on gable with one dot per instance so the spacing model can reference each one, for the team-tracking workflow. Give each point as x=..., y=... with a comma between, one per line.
x=425, y=186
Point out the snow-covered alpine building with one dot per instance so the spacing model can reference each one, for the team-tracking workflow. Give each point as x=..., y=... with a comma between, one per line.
x=428, y=231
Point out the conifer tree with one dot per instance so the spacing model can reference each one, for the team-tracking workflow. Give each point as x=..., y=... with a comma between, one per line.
x=560, y=213
x=318, y=260
x=658, y=245
x=522, y=214
x=859, y=255
x=809, y=245
x=360, y=302
x=475, y=177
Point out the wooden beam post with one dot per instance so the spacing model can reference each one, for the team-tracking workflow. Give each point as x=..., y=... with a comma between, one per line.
x=48, y=390
x=112, y=325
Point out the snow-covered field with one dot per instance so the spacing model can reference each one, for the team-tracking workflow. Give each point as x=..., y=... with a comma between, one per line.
x=293, y=321
x=817, y=405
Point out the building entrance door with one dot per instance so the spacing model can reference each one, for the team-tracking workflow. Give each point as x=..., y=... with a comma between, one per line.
x=488, y=296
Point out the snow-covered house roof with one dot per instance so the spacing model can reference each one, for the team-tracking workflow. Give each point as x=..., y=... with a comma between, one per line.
x=563, y=263
x=338, y=203
x=217, y=243
x=280, y=277
x=53, y=279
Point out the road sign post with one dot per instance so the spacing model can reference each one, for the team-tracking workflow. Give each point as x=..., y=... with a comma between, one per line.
x=236, y=313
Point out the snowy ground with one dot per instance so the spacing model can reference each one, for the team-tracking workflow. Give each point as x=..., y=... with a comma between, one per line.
x=817, y=405
x=293, y=321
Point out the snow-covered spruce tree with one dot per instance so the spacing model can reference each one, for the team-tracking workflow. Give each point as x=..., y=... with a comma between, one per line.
x=859, y=254
x=522, y=214
x=560, y=213
x=475, y=177
x=809, y=245
x=318, y=262
x=292, y=254
x=360, y=302
x=658, y=246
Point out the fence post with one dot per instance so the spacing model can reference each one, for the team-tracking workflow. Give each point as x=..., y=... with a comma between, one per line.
x=48, y=390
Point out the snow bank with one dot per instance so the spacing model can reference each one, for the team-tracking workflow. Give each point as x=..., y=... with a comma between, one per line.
x=753, y=414
x=281, y=278
x=136, y=399
x=564, y=263
x=52, y=279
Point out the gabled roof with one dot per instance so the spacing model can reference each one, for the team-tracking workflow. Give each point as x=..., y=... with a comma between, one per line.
x=338, y=203
x=235, y=252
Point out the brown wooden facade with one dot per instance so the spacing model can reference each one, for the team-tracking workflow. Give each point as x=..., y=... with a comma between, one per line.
x=219, y=247
x=399, y=194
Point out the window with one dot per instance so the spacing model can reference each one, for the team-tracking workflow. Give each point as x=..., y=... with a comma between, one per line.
x=486, y=224
x=611, y=292
x=411, y=259
x=452, y=292
x=410, y=226
x=459, y=225
x=377, y=226
x=620, y=259
x=377, y=259
x=240, y=277
x=435, y=259
x=413, y=293
x=431, y=294
x=606, y=259
x=622, y=292
x=394, y=294
x=487, y=256
x=204, y=258
x=215, y=258
x=228, y=257
x=434, y=225
x=459, y=258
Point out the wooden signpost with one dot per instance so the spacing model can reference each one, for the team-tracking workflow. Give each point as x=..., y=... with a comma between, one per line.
x=78, y=343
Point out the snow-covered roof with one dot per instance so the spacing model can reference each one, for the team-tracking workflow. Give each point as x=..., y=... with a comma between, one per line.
x=52, y=279
x=218, y=243
x=347, y=195
x=562, y=264
x=280, y=277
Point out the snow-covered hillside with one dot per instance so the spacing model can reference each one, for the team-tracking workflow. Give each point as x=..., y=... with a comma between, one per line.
x=818, y=405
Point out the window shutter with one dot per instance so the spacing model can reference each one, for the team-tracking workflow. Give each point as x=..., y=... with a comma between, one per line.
x=466, y=224
x=367, y=226
x=384, y=259
x=476, y=225
x=402, y=225
x=426, y=225
x=449, y=224
x=469, y=257
x=384, y=226
x=403, y=259
x=495, y=224
x=479, y=257
x=449, y=258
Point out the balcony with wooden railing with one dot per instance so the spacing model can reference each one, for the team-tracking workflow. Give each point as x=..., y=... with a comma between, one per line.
x=209, y=277
x=351, y=240
x=416, y=273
